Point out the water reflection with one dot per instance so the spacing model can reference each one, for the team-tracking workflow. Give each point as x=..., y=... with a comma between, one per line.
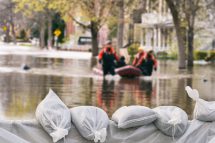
x=20, y=95
x=74, y=82
x=136, y=91
x=106, y=96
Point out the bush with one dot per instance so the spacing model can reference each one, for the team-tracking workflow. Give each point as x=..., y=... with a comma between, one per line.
x=210, y=56
x=212, y=53
x=133, y=50
x=200, y=55
x=22, y=34
x=162, y=55
x=173, y=55
x=167, y=55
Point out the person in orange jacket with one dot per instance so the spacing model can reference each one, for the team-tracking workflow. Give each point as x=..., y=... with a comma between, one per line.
x=149, y=64
x=107, y=58
x=140, y=56
x=145, y=61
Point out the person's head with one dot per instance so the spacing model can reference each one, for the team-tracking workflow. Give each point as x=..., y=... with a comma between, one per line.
x=108, y=43
x=108, y=46
x=122, y=58
x=150, y=52
x=140, y=49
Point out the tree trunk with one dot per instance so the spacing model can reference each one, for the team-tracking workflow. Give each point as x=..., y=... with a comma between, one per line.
x=179, y=34
x=131, y=33
x=190, y=47
x=7, y=35
x=181, y=39
x=42, y=35
x=13, y=32
x=190, y=36
x=120, y=26
x=50, y=35
x=94, y=33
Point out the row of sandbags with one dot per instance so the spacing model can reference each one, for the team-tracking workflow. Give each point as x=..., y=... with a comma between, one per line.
x=92, y=122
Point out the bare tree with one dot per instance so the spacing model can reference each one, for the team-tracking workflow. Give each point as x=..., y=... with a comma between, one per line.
x=120, y=28
x=191, y=8
x=8, y=15
x=97, y=13
x=43, y=12
x=184, y=16
x=210, y=6
x=175, y=11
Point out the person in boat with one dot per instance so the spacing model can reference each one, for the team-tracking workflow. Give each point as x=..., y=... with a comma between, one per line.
x=121, y=62
x=139, y=57
x=145, y=61
x=149, y=64
x=107, y=57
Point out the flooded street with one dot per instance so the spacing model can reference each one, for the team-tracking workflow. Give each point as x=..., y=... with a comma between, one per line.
x=73, y=80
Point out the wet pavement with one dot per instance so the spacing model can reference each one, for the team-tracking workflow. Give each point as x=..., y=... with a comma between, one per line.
x=70, y=76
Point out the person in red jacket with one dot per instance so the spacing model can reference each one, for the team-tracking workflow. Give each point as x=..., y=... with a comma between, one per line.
x=145, y=61
x=149, y=64
x=140, y=56
x=107, y=58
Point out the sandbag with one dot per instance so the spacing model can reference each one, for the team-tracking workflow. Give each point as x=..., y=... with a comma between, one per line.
x=91, y=122
x=171, y=120
x=133, y=116
x=8, y=137
x=204, y=110
x=212, y=140
x=54, y=116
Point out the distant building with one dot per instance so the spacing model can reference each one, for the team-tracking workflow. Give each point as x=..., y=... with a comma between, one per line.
x=70, y=28
x=156, y=28
x=209, y=46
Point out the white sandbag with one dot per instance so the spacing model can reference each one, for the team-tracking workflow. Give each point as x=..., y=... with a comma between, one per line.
x=212, y=140
x=91, y=122
x=204, y=110
x=31, y=131
x=133, y=116
x=7, y=137
x=171, y=120
x=54, y=116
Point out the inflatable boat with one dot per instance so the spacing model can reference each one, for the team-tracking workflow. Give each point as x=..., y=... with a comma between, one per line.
x=126, y=71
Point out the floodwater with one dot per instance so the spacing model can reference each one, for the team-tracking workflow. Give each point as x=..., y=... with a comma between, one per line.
x=75, y=83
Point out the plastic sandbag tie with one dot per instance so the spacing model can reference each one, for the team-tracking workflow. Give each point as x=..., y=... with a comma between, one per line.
x=59, y=132
x=176, y=119
x=100, y=135
x=192, y=93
